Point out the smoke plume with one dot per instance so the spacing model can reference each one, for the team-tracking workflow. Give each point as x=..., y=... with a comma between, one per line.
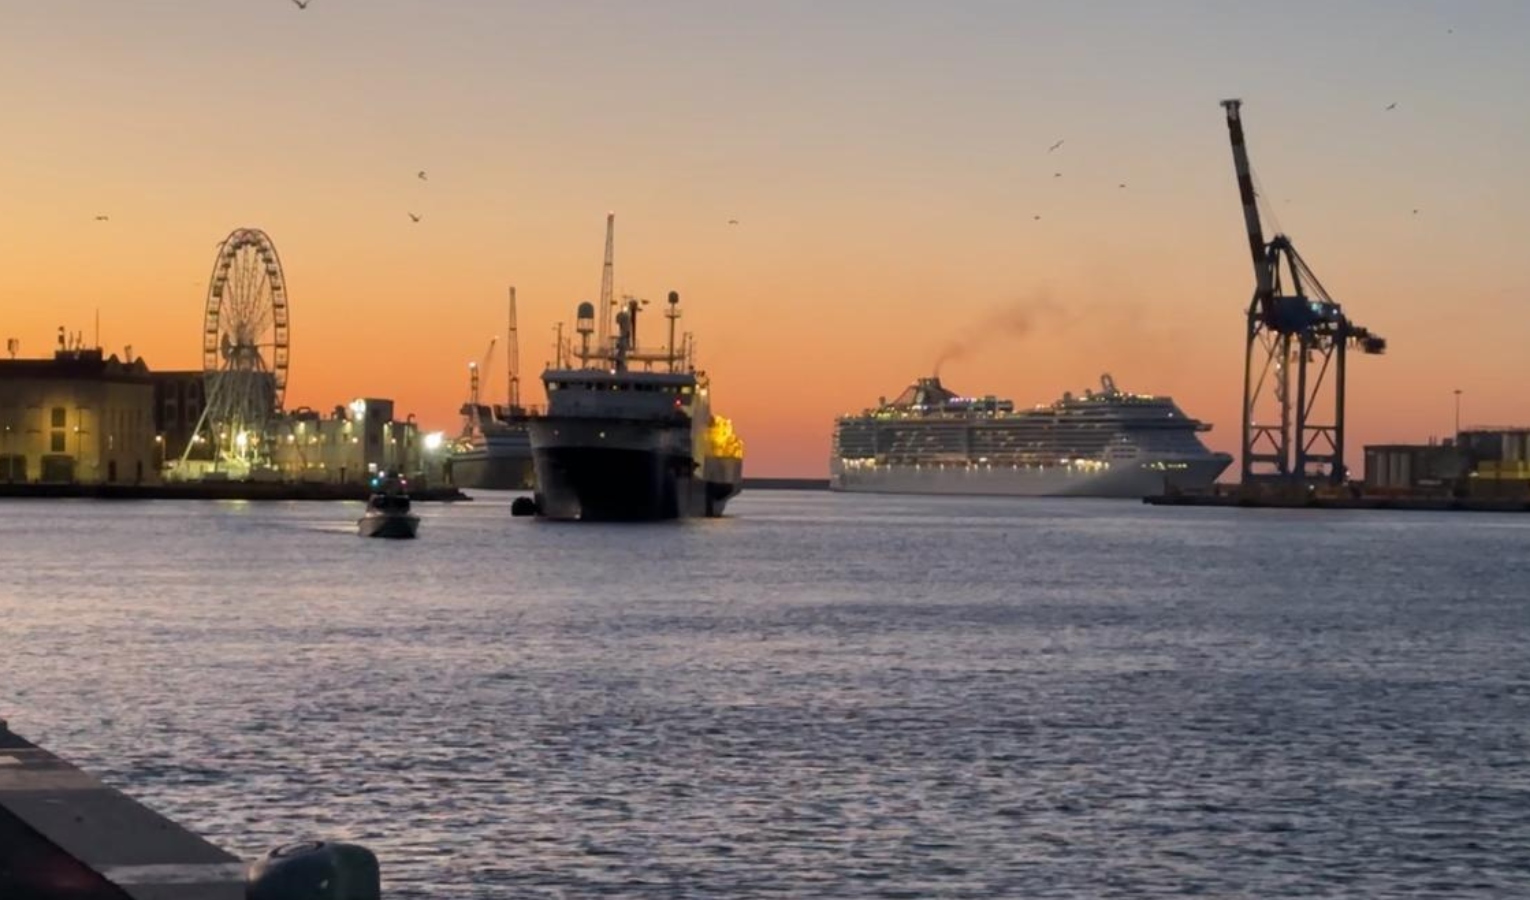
x=1011, y=322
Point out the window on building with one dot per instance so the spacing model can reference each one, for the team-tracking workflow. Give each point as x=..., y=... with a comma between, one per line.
x=60, y=417
x=56, y=445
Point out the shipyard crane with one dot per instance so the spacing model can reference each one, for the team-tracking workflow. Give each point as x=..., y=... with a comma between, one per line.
x=1293, y=323
x=513, y=361
x=478, y=372
x=472, y=410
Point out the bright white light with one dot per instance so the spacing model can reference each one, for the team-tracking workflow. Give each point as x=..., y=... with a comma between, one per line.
x=359, y=408
x=434, y=440
x=242, y=440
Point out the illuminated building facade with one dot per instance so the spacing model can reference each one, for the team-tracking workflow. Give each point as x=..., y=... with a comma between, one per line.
x=350, y=444
x=79, y=417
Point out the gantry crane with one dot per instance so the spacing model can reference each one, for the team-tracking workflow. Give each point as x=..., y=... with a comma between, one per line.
x=1293, y=324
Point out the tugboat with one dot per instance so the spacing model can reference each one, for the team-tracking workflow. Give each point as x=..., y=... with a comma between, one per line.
x=387, y=514
x=622, y=444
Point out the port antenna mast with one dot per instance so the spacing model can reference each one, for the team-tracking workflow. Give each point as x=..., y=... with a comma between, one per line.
x=672, y=312
x=513, y=361
x=1298, y=327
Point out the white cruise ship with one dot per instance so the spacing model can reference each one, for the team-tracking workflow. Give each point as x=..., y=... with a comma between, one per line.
x=1106, y=443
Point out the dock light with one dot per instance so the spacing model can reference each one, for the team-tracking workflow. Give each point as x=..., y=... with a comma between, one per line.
x=242, y=440
x=359, y=408
x=434, y=440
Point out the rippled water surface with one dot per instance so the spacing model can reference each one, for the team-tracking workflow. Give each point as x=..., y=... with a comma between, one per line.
x=821, y=696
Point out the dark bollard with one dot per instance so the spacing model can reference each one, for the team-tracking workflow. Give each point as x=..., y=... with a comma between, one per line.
x=315, y=870
x=523, y=506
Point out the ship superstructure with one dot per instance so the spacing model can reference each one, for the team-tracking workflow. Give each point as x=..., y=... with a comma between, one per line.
x=1105, y=443
x=629, y=433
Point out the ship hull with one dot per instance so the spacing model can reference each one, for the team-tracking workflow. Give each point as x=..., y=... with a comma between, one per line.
x=619, y=471
x=1126, y=480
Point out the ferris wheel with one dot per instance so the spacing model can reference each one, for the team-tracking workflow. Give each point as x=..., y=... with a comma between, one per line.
x=245, y=345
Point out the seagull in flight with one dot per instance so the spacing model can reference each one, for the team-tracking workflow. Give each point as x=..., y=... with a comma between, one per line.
x=103, y=218
x=733, y=221
x=1391, y=106
x=413, y=217
x=1056, y=174
x=302, y=4
x=421, y=174
x=1054, y=146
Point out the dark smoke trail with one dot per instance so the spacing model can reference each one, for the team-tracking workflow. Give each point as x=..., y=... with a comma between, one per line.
x=1009, y=322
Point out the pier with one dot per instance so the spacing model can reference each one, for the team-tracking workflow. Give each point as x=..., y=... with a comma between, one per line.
x=1336, y=501
x=65, y=834
x=217, y=490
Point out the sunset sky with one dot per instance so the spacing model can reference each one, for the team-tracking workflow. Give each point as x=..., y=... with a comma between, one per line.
x=886, y=162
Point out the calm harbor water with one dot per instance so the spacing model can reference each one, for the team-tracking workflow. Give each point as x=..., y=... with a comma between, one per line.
x=821, y=696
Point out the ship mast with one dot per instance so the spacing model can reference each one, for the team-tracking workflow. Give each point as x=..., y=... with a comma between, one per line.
x=607, y=302
x=672, y=312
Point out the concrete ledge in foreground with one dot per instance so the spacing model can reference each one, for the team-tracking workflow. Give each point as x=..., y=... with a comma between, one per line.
x=63, y=834
x=216, y=490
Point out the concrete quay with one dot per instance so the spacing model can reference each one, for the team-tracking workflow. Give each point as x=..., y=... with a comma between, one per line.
x=1362, y=502
x=64, y=834
x=216, y=490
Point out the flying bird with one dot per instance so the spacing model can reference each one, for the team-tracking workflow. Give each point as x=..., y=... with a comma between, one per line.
x=103, y=218
x=1121, y=185
x=302, y=4
x=1391, y=106
x=421, y=175
x=1037, y=218
x=1054, y=146
x=413, y=217
x=1056, y=174
x=1415, y=212
x=733, y=221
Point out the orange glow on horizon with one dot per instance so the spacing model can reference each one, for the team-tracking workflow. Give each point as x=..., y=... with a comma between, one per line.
x=893, y=189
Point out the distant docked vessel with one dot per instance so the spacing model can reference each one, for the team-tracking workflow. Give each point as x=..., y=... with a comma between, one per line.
x=1106, y=443
x=619, y=443
x=493, y=451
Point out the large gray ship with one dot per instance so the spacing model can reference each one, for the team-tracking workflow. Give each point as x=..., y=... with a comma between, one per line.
x=621, y=441
x=1106, y=443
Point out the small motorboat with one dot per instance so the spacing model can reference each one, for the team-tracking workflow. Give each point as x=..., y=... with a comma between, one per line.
x=388, y=514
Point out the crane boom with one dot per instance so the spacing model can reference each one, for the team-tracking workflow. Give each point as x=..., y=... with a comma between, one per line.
x=1256, y=242
x=488, y=360
x=513, y=360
